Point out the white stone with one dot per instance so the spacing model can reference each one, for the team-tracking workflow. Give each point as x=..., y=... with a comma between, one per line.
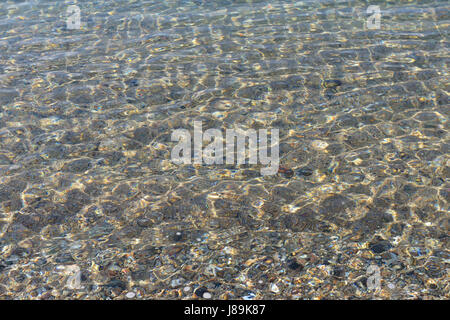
x=274, y=288
x=207, y=295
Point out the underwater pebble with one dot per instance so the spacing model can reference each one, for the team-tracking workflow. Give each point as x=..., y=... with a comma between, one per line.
x=319, y=145
x=274, y=288
x=90, y=200
x=176, y=282
x=250, y=296
x=331, y=83
x=74, y=280
x=207, y=295
x=294, y=265
x=380, y=246
x=305, y=171
x=199, y=292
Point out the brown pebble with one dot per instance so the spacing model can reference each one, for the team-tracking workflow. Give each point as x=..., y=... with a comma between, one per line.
x=288, y=173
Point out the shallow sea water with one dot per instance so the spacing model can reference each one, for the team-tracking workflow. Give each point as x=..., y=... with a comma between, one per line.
x=91, y=206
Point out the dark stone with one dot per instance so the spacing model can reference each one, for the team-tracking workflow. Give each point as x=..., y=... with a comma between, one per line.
x=280, y=85
x=64, y=258
x=358, y=139
x=132, y=82
x=116, y=283
x=380, y=246
x=381, y=203
x=288, y=173
x=255, y=92
x=8, y=95
x=144, y=222
x=346, y=120
x=144, y=134
x=373, y=220
x=57, y=151
x=271, y=209
x=111, y=208
x=225, y=207
x=335, y=148
x=93, y=189
x=246, y=220
x=396, y=229
x=34, y=221
x=284, y=193
x=139, y=275
x=123, y=190
x=146, y=253
x=177, y=236
x=112, y=157
x=73, y=137
x=153, y=188
x=199, y=292
x=21, y=252
x=130, y=144
x=330, y=93
x=304, y=220
x=338, y=272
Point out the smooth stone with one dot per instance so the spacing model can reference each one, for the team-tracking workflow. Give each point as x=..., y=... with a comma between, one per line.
x=331, y=83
